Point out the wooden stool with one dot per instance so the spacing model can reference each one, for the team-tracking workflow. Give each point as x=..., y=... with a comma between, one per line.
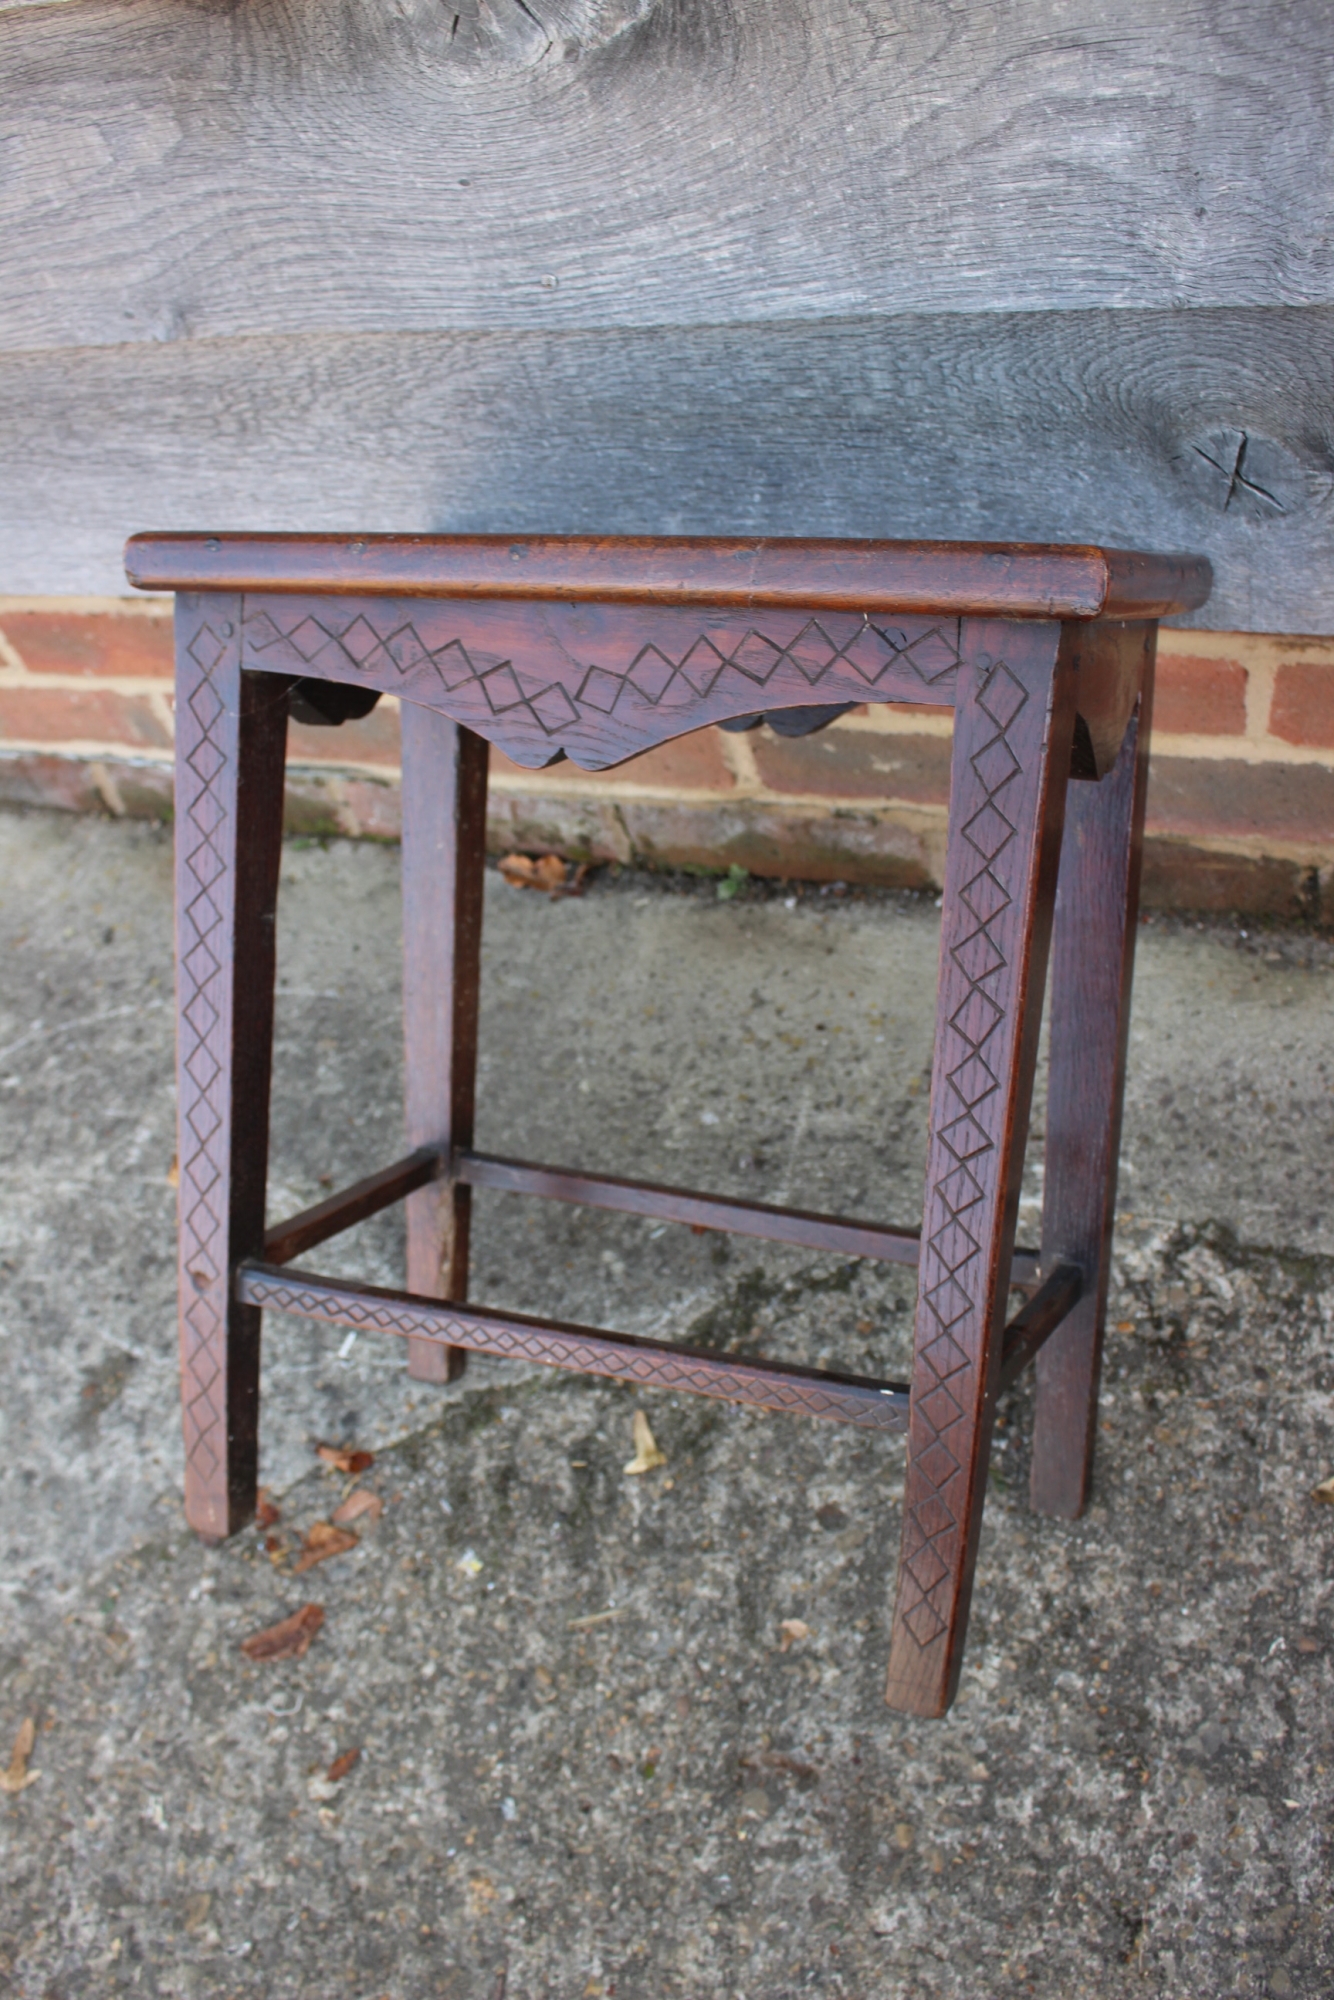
x=597, y=650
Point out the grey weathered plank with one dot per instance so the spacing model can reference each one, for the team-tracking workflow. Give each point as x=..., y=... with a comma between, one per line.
x=1107, y=425
x=175, y=171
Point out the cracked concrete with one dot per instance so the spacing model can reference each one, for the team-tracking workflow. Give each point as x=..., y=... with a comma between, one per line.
x=591, y=1760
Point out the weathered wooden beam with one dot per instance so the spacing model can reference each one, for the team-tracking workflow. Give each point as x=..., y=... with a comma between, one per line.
x=233, y=171
x=1101, y=426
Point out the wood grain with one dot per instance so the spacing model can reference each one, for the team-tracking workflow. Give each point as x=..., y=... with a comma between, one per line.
x=593, y=682
x=230, y=740
x=1016, y=686
x=625, y=1357
x=1092, y=426
x=1092, y=965
x=841, y=1234
x=597, y=573
x=186, y=172
x=1038, y=1319
x=297, y=1233
x=444, y=848
x=1013, y=727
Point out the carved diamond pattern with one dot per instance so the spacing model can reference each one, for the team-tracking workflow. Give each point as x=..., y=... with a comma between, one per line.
x=202, y=821
x=952, y=1268
x=541, y=697
x=585, y=1353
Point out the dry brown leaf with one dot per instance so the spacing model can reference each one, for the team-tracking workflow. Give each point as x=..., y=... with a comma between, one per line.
x=18, y=1777
x=1324, y=1491
x=322, y=1541
x=790, y=1631
x=547, y=872
x=266, y=1514
x=341, y=1765
x=287, y=1640
x=356, y=1504
x=344, y=1459
x=647, y=1456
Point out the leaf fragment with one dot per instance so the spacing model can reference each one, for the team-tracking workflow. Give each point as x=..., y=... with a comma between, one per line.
x=342, y=1764
x=523, y=871
x=322, y=1541
x=1324, y=1491
x=288, y=1639
x=360, y=1501
x=267, y=1514
x=647, y=1456
x=18, y=1777
x=344, y=1459
x=791, y=1631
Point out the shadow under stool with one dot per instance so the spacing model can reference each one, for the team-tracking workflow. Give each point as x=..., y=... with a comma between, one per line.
x=599, y=649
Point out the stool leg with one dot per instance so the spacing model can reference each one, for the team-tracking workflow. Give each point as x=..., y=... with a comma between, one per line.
x=231, y=736
x=444, y=848
x=1013, y=727
x=1093, y=957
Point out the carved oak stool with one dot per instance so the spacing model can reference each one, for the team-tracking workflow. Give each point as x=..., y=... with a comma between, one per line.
x=597, y=650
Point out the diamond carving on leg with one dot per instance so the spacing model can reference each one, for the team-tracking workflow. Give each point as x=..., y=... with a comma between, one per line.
x=972, y=1080
x=996, y=764
x=978, y=956
x=965, y=1137
x=1003, y=697
x=206, y=648
x=985, y=896
x=923, y=1621
x=988, y=831
x=966, y=1112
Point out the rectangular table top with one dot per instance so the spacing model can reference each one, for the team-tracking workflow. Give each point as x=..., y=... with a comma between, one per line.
x=1006, y=579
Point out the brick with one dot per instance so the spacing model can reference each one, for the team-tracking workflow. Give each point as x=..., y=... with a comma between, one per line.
x=693, y=763
x=769, y=839
x=764, y=838
x=80, y=715
x=97, y=643
x=1302, y=710
x=1199, y=697
x=77, y=784
x=856, y=764
x=581, y=829
x=901, y=710
x=319, y=803
x=1200, y=798
x=1178, y=876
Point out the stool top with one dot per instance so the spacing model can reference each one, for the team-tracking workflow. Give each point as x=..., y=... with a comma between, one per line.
x=997, y=579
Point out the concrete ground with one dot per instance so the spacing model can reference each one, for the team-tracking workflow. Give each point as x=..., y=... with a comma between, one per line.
x=591, y=1760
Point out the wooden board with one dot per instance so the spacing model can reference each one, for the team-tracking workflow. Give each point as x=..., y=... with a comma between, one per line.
x=176, y=171
x=1120, y=427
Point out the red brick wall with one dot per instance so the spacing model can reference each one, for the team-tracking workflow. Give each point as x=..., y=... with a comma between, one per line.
x=1241, y=805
